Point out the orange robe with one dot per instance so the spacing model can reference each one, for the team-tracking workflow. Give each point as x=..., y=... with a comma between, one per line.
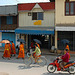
x=13, y=51
x=21, y=51
x=6, y=51
x=10, y=48
x=67, y=47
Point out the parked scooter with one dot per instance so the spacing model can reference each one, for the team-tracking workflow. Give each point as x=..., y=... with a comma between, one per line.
x=69, y=67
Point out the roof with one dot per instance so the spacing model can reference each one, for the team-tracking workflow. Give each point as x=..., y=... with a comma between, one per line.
x=8, y=10
x=29, y=6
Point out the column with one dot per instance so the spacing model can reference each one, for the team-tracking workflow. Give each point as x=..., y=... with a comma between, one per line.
x=49, y=43
x=73, y=41
x=26, y=41
x=17, y=37
x=56, y=39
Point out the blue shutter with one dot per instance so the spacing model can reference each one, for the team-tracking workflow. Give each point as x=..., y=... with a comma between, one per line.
x=9, y=20
x=40, y=16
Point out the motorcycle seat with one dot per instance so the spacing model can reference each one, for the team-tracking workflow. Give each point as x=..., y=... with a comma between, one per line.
x=70, y=62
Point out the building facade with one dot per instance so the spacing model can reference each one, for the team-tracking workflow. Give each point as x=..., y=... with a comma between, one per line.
x=36, y=21
x=8, y=23
x=65, y=23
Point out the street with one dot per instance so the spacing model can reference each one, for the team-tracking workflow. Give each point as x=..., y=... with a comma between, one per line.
x=16, y=67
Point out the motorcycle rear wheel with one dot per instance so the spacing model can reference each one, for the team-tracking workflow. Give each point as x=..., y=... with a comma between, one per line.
x=51, y=68
x=72, y=69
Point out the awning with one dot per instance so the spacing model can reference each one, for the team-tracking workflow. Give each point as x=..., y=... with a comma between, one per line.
x=35, y=30
x=7, y=30
x=65, y=28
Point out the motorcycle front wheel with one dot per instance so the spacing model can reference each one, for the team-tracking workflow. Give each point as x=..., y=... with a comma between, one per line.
x=51, y=68
x=72, y=69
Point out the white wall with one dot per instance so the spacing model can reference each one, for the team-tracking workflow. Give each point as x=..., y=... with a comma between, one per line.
x=60, y=17
x=25, y=20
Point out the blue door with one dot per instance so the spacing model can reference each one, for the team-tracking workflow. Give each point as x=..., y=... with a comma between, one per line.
x=9, y=36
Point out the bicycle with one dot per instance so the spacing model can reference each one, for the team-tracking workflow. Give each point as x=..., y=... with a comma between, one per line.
x=42, y=61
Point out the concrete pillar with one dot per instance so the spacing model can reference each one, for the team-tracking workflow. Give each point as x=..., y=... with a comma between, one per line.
x=51, y=41
x=56, y=39
x=29, y=40
x=17, y=37
x=73, y=41
x=26, y=41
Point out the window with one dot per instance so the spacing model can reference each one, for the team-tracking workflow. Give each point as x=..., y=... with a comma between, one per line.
x=3, y=20
x=37, y=16
x=29, y=13
x=14, y=19
x=70, y=8
x=9, y=20
x=67, y=8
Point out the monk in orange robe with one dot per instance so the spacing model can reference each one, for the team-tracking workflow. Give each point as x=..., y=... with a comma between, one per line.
x=67, y=47
x=6, y=51
x=13, y=51
x=21, y=51
x=10, y=48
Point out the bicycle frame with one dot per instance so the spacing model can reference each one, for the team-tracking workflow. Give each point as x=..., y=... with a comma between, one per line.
x=31, y=56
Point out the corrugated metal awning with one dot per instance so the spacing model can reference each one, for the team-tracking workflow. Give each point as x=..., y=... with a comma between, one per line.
x=8, y=10
x=58, y=28
x=35, y=30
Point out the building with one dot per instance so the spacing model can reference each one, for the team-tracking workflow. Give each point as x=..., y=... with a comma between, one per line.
x=36, y=21
x=65, y=23
x=8, y=22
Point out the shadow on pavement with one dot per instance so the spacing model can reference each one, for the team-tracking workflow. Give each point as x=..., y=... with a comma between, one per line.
x=28, y=67
x=24, y=67
x=56, y=73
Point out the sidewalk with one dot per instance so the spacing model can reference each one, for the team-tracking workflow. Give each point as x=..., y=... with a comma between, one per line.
x=45, y=52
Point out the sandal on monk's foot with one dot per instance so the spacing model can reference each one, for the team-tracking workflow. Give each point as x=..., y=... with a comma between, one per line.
x=8, y=58
x=23, y=58
x=17, y=58
x=2, y=57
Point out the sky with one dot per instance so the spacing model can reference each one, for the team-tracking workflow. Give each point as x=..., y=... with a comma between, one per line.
x=13, y=2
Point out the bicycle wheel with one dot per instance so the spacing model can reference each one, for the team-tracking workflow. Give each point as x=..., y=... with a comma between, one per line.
x=27, y=61
x=42, y=61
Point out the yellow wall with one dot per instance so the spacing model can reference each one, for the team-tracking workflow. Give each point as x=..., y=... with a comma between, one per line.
x=60, y=17
x=25, y=20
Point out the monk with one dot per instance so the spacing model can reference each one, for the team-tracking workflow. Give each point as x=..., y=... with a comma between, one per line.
x=10, y=49
x=6, y=51
x=67, y=47
x=13, y=51
x=21, y=51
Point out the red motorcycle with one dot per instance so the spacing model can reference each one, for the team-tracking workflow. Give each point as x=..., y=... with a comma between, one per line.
x=69, y=67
